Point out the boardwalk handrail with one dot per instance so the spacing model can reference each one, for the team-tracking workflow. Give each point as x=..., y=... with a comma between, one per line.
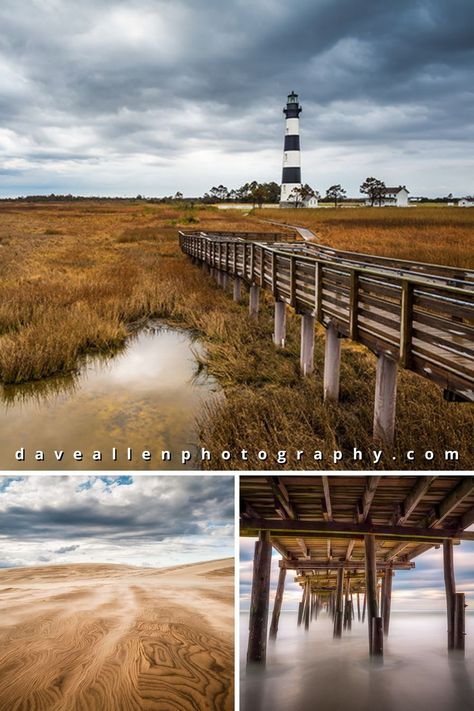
x=428, y=328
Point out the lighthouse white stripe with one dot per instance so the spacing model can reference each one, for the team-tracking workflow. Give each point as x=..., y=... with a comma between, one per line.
x=291, y=159
x=292, y=126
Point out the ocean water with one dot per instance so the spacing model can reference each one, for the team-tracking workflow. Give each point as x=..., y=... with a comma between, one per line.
x=310, y=671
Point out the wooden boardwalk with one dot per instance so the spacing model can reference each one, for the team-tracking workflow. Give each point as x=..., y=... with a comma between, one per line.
x=419, y=316
x=345, y=536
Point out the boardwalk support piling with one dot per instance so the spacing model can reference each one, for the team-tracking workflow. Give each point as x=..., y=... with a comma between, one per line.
x=237, y=292
x=332, y=364
x=377, y=637
x=450, y=587
x=254, y=300
x=385, y=400
x=279, y=335
x=307, y=344
x=277, y=604
x=257, y=645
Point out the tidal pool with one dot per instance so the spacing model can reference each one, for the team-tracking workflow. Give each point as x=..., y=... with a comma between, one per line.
x=143, y=399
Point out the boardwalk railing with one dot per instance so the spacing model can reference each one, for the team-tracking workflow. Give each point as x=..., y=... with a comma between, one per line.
x=416, y=319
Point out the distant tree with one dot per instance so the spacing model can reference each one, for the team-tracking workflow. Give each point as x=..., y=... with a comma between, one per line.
x=303, y=193
x=374, y=189
x=178, y=195
x=220, y=193
x=139, y=197
x=336, y=193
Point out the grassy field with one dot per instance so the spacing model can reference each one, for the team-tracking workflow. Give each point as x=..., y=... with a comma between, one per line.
x=422, y=234
x=79, y=277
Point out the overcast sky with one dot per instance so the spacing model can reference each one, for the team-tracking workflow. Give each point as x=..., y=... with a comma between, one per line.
x=146, y=521
x=153, y=96
x=418, y=589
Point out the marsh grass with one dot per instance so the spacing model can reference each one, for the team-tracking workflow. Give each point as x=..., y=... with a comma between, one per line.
x=113, y=269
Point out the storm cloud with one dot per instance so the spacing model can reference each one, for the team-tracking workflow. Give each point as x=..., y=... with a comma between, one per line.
x=156, y=521
x=153, y=96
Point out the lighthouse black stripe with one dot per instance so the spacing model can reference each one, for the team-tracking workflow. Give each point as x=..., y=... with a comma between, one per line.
x=292, y=111
x=292, y=143
x=291, y=175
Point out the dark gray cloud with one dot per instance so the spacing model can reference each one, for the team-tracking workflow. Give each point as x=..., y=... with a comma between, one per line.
x=162, y=95
x=42, y=518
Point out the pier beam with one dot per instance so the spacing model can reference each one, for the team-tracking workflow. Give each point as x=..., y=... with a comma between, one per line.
x=332, y=364
x=279, y=335
x=277, y=603
x=450, y=586
x=254, y=300
x=257, y=645
x=307, y=344
x=375, y=645
x=459, y=621
x=237, y=290
x=338, y=610
x=385, y=400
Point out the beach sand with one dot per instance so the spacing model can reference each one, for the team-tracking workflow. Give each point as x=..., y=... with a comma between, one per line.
x=114, y=637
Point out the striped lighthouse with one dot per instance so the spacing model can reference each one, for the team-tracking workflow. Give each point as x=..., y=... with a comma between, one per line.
x=291, y=177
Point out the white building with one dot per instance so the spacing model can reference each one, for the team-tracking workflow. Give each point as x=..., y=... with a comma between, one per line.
x=395, y=197
x=464, y=202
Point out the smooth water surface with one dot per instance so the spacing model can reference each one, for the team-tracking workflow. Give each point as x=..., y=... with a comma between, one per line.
x=145, y=398
x=307, y=671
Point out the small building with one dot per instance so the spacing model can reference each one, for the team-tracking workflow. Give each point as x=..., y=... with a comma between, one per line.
x=395, y=197
x=465, y=202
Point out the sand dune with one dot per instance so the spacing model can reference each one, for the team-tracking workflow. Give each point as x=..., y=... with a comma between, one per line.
x=87, y=637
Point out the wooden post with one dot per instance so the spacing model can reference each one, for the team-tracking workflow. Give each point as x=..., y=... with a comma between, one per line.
x=277, y=603
x=459, y=622
x=406, y=323
x=307, y=605
x=364, y=605
x=450, y=586
x=237, y=294
x=346, y=601
x=371, y=586
x=339, y=604
x=385, y=400
x=387, y=600
x=254, y=300
x=332, y=364
x=257, y=645
x=358, y=606
x=300, y=609
x=307, y=344
x=224, y=280
x=279, y=334
x=377, y=637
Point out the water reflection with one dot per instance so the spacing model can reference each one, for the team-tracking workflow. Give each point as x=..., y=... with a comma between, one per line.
x=308, y=670
x=145, y=398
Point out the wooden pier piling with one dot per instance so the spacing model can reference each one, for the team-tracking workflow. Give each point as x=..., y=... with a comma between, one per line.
x=450, y=587
x=277, y=604
x=338, y=614
x=371, y=588
x=387, y=599
x=332, y=363
x=257, y=645
x=459, y=621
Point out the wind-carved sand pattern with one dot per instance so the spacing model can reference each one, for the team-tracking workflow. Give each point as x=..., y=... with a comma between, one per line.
x=117, y=638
